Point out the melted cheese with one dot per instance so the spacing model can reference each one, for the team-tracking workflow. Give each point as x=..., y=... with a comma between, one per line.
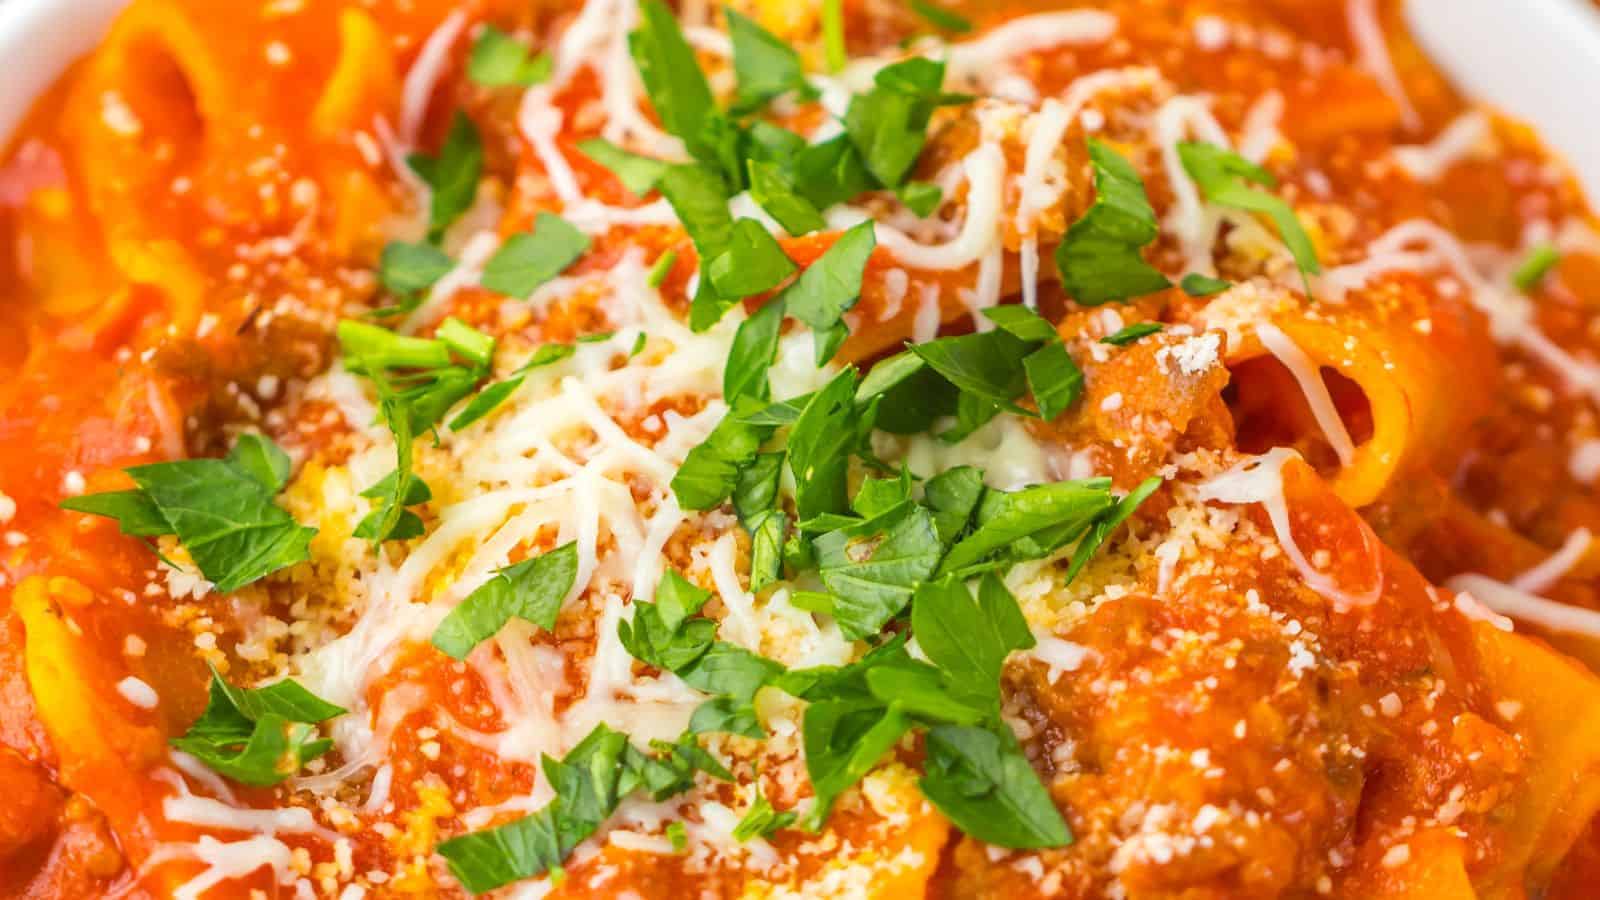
x=1510, y=315
x=1309, y=377
x=1259, y=479
x=1527, y=607
x=1460, y=140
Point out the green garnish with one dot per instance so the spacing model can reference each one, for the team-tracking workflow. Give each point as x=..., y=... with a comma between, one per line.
x=532, y=590
x=751, y=262
x=405, y=269
x=939, y=17
x=661, y=268
x=830, y=286
x=772, y=190
x=889, y=123
x=639, y=174
x=766, y=67
x=498, y=60
x=833, y=34
x=761, y=819
x=258, y=736
x=452, y=176
x=590, y=782
x=221, y=510
x=526, y=261
x=1535, y=266
x=1196, y=285
x=1131, y=333
x=1100, y=258
x=1225, y=178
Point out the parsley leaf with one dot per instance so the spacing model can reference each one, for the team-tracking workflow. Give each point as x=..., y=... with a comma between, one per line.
x=639, y=174
x=668, y=635
x=1533, y=268
x=1196, y=285
x=1131, y=333
x=921, y=197
x=729, y=670
x=830, y=286
x=258, y=736
x=984, y=784
x=889, y=123
x=533, y=589
x=830, y=172
x=819, y=447
x=526, y=261
x=761, y=820
x=986, y=365
x=953, y=496
x=497, y=60
x=755, y=346
x=452, y=176
x=221, y=510
x=969, y=641
x=1224, y=177
x=768, y=532
x=725, y=714
x=843, y=740
x=662, y=634
x=678, y=89
x=750, y=262
x=590, y=782
x=1005, y=519
x=872, y=567
x=939, y=17
x=765, y=66
x=1106, y=523
x=1055, y=380
x=772, y=190
x=1022, y=322
x=711, y=470
x=405, y=269
x=1099, y=258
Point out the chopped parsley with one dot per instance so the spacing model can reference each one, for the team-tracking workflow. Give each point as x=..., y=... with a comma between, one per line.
x=830, y=286
x=221, y=510
x=452, y=176
x=639, y=174
x=532, y=590
x=589, y=782
x=1225, y=178
x=258, y=736
x=833, y=46
x=940, y=17
x=889, y=123
x=1535, y=266
x=408, y=269
x=1196, y=285
x=661, y=268
x=498, y=60
x=773, y=191
x=526, y=261
x=1131, y=333
x=1100, y=257
x=761, y=819
x=490, y=398
x=766, y=67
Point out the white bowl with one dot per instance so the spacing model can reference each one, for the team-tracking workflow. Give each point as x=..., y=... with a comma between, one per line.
x=1535, y=59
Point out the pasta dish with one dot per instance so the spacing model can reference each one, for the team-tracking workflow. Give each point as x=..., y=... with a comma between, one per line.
x=858, y=448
